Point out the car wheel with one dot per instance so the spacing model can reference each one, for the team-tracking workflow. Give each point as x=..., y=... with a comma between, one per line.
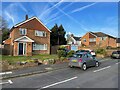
x=97, y=64
x=84, y=67
x=70, y=66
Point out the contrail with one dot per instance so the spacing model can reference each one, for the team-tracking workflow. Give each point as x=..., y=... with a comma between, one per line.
x=50, y=20
x=51, y=7
x=82, y=8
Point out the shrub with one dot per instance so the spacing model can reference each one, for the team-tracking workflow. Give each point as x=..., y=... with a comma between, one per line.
x=61, y=53
x=101, y=51
x=70, y=53
x=62, y=48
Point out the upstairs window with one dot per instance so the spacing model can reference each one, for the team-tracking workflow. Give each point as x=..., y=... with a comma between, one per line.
x=84, y=40
x=23, y=31
x=40, y=33
x=103, y=38
x=92, y=39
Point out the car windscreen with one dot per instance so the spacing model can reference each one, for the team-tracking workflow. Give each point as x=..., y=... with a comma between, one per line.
x=77, y=55
x=115, y=53
x=118, y=52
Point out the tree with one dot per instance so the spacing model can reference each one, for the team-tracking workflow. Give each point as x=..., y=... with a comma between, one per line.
x=57, y=35
x=4, y=31
x=62, y=32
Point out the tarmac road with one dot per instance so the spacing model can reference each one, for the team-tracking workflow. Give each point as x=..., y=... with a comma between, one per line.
x=104, y=76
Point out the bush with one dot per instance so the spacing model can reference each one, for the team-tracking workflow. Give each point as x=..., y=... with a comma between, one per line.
x=61, y=48
x=70, y=53
x=101, y=51
x=61, y=53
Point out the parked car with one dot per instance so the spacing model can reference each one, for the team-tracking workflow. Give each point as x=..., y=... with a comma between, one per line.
x=115, y=54
x=88, y=51
x=83, y=60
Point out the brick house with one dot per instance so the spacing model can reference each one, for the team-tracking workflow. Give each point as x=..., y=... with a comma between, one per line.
x=98, y=39
x=29, y=37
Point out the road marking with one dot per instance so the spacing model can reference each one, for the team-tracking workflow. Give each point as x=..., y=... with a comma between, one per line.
x=102, y=69
x=60, y=82
x=5, y=73
x=9, y=81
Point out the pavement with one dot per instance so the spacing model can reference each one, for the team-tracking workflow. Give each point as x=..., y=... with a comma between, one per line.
x=104, y=76
x=34, y=70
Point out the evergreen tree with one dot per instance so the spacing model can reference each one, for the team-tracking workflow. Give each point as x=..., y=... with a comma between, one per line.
x=4, y=29
x=58, y=35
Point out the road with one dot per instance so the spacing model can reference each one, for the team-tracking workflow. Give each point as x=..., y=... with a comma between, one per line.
x=104, y=76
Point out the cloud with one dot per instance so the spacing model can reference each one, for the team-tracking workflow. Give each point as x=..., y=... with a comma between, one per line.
x=82, y=8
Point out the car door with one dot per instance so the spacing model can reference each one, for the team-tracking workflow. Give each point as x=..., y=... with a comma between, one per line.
x=91, y=60
x=87, y=60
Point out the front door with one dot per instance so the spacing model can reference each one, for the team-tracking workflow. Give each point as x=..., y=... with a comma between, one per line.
x=22, y=48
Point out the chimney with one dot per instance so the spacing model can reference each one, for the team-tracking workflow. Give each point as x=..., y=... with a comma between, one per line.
x=26, y=17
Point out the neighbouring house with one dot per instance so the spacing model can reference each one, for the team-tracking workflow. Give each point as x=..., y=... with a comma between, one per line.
x=73, y=41
x=118, y=42
x=29, y=37
x=98, y=39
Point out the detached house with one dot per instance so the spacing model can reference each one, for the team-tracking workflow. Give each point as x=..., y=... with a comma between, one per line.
x=98, y=39
x=73, y=41
x=29, y=37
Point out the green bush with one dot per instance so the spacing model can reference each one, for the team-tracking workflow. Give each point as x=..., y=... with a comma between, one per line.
x=61, y=53
x=101, y=51
x=70, y=53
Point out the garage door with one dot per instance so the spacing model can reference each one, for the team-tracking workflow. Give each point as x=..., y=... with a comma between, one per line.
x=74, y=47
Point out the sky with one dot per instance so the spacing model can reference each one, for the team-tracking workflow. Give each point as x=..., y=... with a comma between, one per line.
x=76, y=17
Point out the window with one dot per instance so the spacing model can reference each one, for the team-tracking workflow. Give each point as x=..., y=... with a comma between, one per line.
x=23, y=31
x=84, y=40
x=40, y=33
x=39, y=46
x=103, y=38
x=92, y=39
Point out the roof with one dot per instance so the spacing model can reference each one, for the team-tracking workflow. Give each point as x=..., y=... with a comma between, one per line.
x=77, y=38
x=118, y=40
x=7, y=41
x=100, y=34
x=29, y=20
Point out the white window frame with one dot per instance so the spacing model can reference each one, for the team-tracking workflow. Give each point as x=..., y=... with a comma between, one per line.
x=92, y=39
x=23, y=31
x=38, y=46
x=40, y=33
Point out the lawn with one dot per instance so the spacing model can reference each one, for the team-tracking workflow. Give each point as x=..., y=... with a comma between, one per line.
x=14, y=59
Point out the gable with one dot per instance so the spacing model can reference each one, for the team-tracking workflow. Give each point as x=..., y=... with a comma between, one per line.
x=33, y=23
x=24, y=39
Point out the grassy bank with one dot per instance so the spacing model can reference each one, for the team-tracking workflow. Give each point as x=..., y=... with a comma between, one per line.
x=14, y=59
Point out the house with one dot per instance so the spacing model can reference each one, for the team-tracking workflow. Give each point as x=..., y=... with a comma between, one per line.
x=73, y=41
x=98, y=39
x=29, y=37
x=118, y=42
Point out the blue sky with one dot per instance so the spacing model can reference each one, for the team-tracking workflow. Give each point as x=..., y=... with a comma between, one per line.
x=76, y=17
